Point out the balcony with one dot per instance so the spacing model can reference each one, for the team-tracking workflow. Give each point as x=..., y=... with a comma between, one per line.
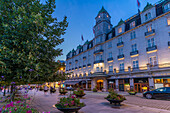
x=169, y=44
x=69, y=69
x=134, y=53
x=72, y=68
x=79, y=66
x=150, y=33
x=75, y=67
x=120, y=44
x=76, y=60
x=151, y=49
x=98, y=51
x=84, y=65
x=110, y=59
x=120, y=56
x=70, y=63
x=98, y=61
x=88, y=65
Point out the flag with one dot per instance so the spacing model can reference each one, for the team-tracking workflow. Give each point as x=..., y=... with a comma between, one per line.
x=93, y=30
x=138, y=3
x=82, y=38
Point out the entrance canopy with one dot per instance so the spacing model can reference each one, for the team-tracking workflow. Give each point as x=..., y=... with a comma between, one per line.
x=71, y=82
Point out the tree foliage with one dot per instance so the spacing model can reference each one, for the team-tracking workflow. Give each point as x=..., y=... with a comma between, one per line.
x=29, y=35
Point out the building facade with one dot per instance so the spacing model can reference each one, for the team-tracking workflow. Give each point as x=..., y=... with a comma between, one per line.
x=133, y=54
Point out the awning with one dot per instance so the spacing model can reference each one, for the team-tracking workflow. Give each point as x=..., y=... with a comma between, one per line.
x=98, y=74
x=71, y=82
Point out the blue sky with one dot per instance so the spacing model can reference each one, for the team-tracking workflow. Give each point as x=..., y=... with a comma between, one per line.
x=81, y=17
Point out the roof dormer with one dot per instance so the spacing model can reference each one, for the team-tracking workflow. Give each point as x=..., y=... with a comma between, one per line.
x=120, y=28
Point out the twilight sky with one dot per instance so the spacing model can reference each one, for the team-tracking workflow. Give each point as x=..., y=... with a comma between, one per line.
x=81, y=17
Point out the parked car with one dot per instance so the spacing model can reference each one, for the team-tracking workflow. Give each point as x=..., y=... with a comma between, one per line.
x=69, y=88
x=161, y=93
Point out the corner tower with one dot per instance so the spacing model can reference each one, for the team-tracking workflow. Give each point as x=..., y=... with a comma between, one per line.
x=103, y=24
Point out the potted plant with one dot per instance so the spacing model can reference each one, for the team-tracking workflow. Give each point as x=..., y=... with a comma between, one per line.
x=41, y=89
x=132, y=92
x=94, y=90
x=62, y=91
x=79, y=93
x=115, y=98
x=69, y=104
x=53, y=90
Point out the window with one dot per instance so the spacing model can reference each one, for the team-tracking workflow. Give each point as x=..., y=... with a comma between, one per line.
x=153, y=60
x=120, y=40
x=132, y=24
x=169, y=33
x=168, y=21
x=99, y=16
x=121, y=51
x=149, y=28
x=151, y=42
x=135, y=64
x=89, y=54
x=133, y=35
x=110, y=54
x=147, y=16
x=107, y=16
x=121, y=66
x=110, y=68
x=97, y=69
x=120, y=30
x=108, y=26
x=134, y=47
x=109, y=44
x=167, y=7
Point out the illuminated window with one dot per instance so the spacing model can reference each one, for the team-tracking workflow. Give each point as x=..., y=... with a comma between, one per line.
x=168, y=21
x=149, y=28
x=99, y=16
x=120, y=30
x=132, y=24
x=107, y=16
x=108, y=26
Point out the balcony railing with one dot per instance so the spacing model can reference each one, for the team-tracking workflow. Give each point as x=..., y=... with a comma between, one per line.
x=84, y=65
x=152, y=32
x=88, y=64
x=69, y=62
x=72, y=68
x=120, y=44
x=151, y=48
x=134, y=53
x=110, y=59
x=98, y=51
x=120, y=56
x=69, y=69
x=98, y=61
x=79, y=66
x=75, y=67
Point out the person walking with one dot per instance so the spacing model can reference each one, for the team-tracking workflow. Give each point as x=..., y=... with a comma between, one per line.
x=51, y=90
x=45, y=89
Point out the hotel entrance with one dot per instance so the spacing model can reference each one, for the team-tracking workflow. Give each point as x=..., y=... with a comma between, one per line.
x=99, y=84
x=141, y=84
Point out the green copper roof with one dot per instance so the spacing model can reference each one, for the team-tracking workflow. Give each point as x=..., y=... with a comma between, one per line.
x=120, y=22
x=102, y=10
x=78, y=47
x=148, y=6
x=87, y=42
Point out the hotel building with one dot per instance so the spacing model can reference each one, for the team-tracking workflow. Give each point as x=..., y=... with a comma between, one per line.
x=133, y=54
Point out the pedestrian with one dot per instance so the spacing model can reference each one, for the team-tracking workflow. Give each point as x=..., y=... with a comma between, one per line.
x=51, y=89
x=45, y=89
x=37, y=88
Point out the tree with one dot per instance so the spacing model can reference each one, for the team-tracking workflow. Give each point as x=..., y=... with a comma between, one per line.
x=28, y=38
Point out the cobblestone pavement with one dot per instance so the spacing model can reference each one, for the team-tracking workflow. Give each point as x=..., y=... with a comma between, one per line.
x=95, y=103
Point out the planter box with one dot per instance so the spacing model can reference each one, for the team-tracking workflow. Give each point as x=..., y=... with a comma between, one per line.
x=69, y=110
x=80, y=96
x=132, y=93
x=116, y=102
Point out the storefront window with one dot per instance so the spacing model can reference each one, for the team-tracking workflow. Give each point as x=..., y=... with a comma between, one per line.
x=166, y=80
x=158, y=80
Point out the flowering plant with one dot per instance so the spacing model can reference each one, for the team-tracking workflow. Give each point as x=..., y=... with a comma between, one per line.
x=132, y=91
x=69, y=102
x=17, y=107
x=62, y=91
x=79, y=92
x=114, y=96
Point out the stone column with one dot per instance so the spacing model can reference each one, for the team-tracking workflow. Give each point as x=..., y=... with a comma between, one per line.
x=117, y=84
x=151, y=83
x=86, y=84
x=93, y=83
x=105, y=85
x=131, y=83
